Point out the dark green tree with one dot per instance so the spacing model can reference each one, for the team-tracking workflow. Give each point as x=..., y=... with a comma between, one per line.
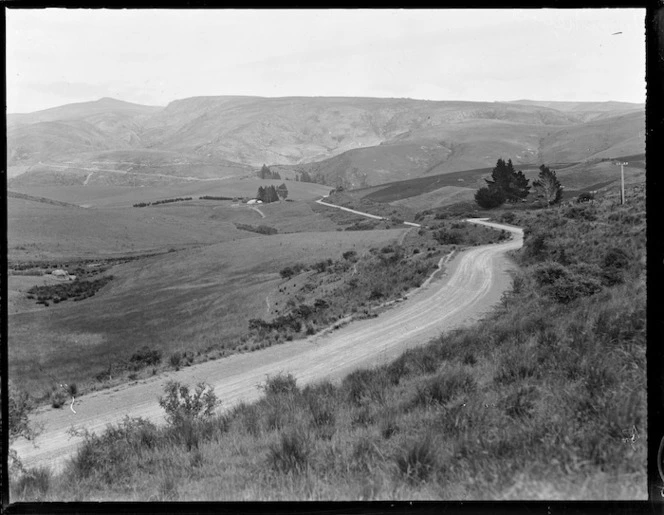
x=505, y=178
x=260, y=195
x=282, y=191
x=271, y=193
x=265, y=173
x=548, y=186
x=489, y=197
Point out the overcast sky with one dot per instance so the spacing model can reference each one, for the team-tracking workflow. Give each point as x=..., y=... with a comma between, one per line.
x=60, y=56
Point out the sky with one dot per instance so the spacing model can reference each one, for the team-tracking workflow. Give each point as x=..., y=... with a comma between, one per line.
x=62, y=56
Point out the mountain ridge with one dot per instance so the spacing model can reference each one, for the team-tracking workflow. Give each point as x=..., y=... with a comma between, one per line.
x=381, y=139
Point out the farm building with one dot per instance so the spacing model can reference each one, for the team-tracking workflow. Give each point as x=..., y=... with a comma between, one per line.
x=254, y=201
x=62, y=274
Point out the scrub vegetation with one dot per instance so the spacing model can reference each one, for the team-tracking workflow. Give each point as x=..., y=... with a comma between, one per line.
x=543, y=399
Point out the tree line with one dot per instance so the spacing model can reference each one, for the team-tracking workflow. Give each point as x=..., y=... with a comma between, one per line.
x=266, y=173
x=509, y=185
x=271, y=194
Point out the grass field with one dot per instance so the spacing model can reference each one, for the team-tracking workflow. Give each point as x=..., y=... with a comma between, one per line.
x=38, y=230
x=189, y=300
x=126, y=196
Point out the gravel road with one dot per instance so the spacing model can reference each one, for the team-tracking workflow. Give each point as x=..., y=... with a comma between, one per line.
x=472, y=283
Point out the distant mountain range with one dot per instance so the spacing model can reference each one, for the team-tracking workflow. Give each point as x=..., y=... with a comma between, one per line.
x=354, y=141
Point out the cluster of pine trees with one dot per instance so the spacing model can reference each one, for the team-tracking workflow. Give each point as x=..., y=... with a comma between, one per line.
x=509, y=185
x=304, y=177
x=272, y=194
x=266, y=173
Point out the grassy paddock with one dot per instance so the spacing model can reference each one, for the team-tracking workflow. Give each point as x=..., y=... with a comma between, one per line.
x=193, y=301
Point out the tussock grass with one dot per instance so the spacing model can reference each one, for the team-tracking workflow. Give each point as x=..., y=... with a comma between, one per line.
x=543, y=399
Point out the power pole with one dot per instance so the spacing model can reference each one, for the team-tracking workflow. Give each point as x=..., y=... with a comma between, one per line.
x=622, y=182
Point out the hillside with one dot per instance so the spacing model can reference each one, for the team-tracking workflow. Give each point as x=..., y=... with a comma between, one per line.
x=355, y=141
x=477, y=144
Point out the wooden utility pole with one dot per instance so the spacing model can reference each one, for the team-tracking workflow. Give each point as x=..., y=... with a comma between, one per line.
x=622, y=182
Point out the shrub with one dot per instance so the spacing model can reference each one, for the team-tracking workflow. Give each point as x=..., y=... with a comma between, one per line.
x=349, y=255
x=291, y=454
x=565, y=284
x=320, y=266
x=507, y=217
x=145, y=357
x=58, y=398
x=417, y=460
x=441, y=388
x=521, y=403
x=322, y=411
x=587, y=213
x=489, y=198
x=33, y=484
x=19, y=408
x=249, y=418
x=175, y=359
x=281, y=384
x=109, y=455
x=287, y=273
x=585, y=197
x=365, y=383
x=72, y=389
x=445, y=237
x=182, y=404
x=614, y=264
x=388, y=424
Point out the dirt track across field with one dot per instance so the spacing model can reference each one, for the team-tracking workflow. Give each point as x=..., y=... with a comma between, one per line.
x=472, y=283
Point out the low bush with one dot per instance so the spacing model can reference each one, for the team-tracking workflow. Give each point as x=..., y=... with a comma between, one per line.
x=417, y=460
x=349, y=255
x=175, y=359
x=108, y=456
x=144, y=357
x=282, y=384
x=365, y=384
x=58, y=398
x=183, y=405
x=291, y=454
x=33, y=484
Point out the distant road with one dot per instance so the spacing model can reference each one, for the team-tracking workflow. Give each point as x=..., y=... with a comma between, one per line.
x=472, y=283
x=361, y=213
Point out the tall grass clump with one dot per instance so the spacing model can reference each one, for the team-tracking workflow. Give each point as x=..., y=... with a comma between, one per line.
x=106, y=458
x=32, y=485
x=417, y=460
x=290, y=455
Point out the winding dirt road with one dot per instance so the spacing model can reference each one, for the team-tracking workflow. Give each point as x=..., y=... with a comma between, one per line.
x=471, y=284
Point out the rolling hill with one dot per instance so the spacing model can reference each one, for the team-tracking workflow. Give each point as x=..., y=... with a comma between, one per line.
x=354, y=141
